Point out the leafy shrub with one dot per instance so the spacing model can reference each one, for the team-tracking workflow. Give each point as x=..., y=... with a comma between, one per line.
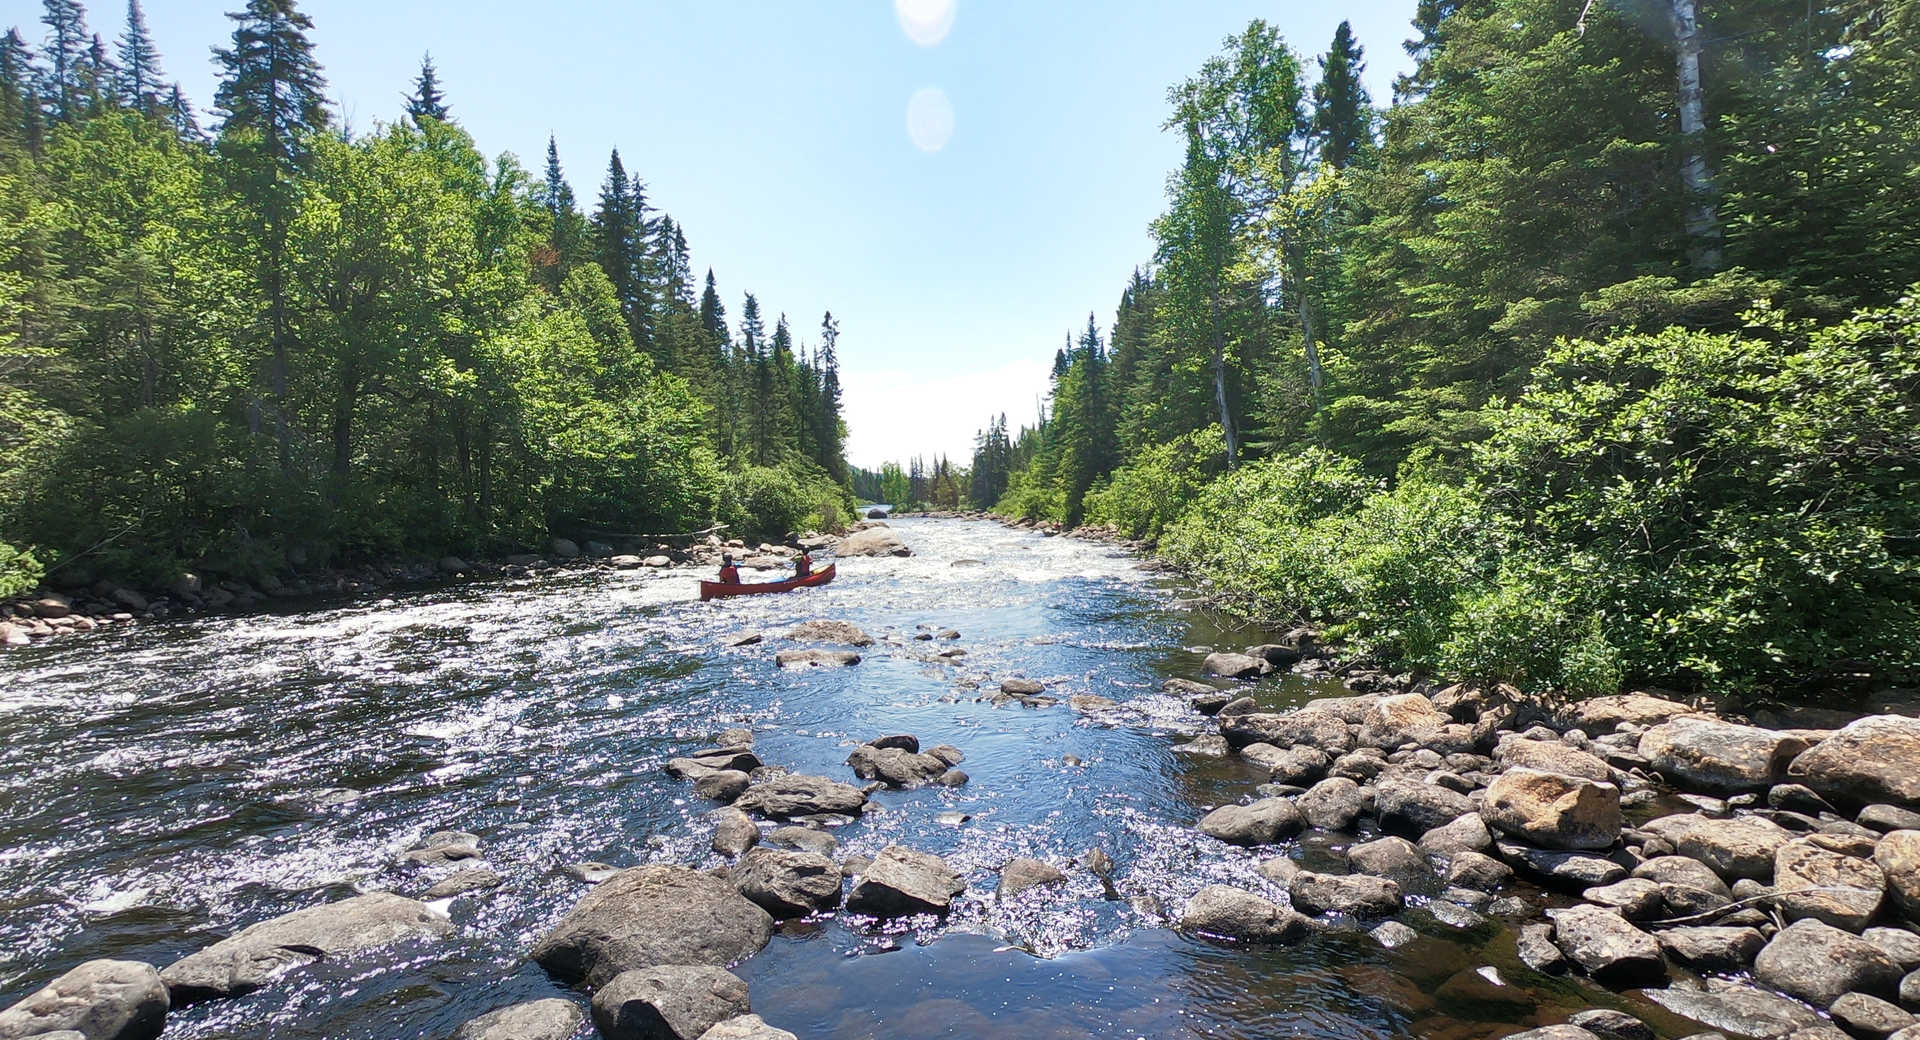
x=1028, y=498
x=765, y=503
x=19, y=571
x=1150, y=492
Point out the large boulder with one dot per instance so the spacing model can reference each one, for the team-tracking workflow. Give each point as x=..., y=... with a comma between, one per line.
x=1604, y=714
x=829, y=632
x=1410, y=808
x=1236, y=666
x=1551, y=756
x=1710, y=948
x=1820, y=963
x=874, y=541
x=1553, y=810
x=1875, y=759
x=901, y=881
x=1737, y=1010
x=1742, y=847
x=1811, y=881
x=746, y=1027
x=650, y=916
x=788, y=884
x=1606, y=947
x=789, y=795
x=1332, y=804
x=1722, y=756
x=1224, y=912
x=1355, y=894
x=1311, y=728
x=1262, y=823
x=256, y=955
x=99, y=1000
x=895, y=767
x=668, y=1002
x=1407, y=718
x=551, y=1019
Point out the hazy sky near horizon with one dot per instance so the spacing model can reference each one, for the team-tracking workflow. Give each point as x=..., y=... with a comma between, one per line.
x=960, y=181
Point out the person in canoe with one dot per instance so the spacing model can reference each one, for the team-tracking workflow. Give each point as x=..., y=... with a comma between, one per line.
x=729, y=571
x=803, y=565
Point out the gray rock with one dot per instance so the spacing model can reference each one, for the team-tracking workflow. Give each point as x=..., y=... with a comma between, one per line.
x=788, y=884
x=99, y=1000
x=1223, y=912
x=1606, y=947
x=805, y=839
x=1820, y=963
x=1477, y=870
x=722, y=785
x=550, y=1019
x=1553, y=810
x=894, y=766
x=1737, y=1010
x=1718, y=755
x=1332, y=804
x=668, y=1002
x=1566, y=870
x=1356, y=894
x=1023, y=873
x=1235, y=666
x=1551, y=756
x=649, y=916
x=1712, y=948
x=831, y=632
x=256, y=955
x=816, y=659
x=1635, y=899
x=1414, y=809
x=1680, y=870
x=1867, y=1016
x=901, y=882
x=1536, y=950
x=1312, y=729
x=1898, y=857
x=1467, y=834
x=1874, y=759
x=461, y=882
x=1898, y=943
x=1407, y=718
x=734, y=832
x=746, y=1027
x=1812, y=882
x=1736, y=848
x=1295, y=765
x=1262, y=823
x=1797, y=798
x=1559, y=1032
x=1388, y=857
x=791, y=795
x=1393, y=934
x=1884, y=818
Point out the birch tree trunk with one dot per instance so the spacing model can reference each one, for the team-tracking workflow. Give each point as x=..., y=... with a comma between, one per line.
x=1703, y=218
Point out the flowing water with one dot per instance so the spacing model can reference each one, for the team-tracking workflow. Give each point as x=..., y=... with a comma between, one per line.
x=164, y=785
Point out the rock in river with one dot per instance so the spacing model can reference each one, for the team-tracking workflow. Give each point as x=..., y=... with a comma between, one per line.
x=1720, y=755
x=550, y=1019
x=1236, y=666
x=901, y=881
x=255, y=955
x=896, y=767
x=649, y=916
x=1355, y=894
x=1311, y=728
x=1820, y=963
x=99, y=1000
x=1553, y=810
x=1262, y=823
x=668, y=1002
x=829, y=632
x=874, y=541
x=1737, y=1010
x=746, y=1027
x=788, y=884
x=1604, y=945
x=1021, y=874
x=816, y=659
x=1738, y=848
x=1875, y=759
x=1898, y=857
x=1225, y=912
x=1709, y=948
x=789, y=795
x=1414, y=809
x=1811, y=881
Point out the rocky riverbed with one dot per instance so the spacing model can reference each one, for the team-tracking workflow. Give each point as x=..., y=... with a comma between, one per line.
x=1006, y=785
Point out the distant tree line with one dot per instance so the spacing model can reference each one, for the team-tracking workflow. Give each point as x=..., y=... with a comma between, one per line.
x=276, y=340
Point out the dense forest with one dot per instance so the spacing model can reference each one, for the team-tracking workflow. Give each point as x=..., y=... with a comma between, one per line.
x=1592, y=358
x=277, y=342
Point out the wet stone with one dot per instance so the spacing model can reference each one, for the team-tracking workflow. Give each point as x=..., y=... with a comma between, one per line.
x=1332, y=804
x=1606, y=947
x=551, y=1019
x=734, y=832
x=1388, y=857
x=1536, y=949
x=1224, y=912
x=99, y=1000
x=1737, y=1010
x=1477, y=870
x=1024, y=873
x=258, y=955
x=1262, y=823
x=788, y=884
x=1820, y=963
x=1354, y=894
x=1609, y=1024
x=746, y=1027
x=902, y=881
x=1869, y=1016
x=650, y=916
x=795, y=795
x=462, y=882
x=668, y=1002
x=1393, y=935
x=1711, y=948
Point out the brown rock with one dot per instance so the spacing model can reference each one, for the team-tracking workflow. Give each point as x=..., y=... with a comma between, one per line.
x=1553, y=810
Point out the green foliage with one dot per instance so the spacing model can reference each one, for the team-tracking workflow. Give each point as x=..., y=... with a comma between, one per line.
x=1149, y=493
x=19, y=571
x=769, y=503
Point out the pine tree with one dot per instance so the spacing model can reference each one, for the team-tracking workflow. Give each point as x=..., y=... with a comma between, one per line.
x=621, y=244
x=713, y=313
x=427, y=102
x=568, y=229
x=67, y=41
x=139, y=81
x=98, y=75
x=272, y=103
x=758, y=362
x=180, y=113
x=1342, y=111
x=831, y=439
x=16, y=84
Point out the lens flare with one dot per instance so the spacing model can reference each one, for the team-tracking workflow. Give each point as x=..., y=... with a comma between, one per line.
x=926, y=22
x=930, y=119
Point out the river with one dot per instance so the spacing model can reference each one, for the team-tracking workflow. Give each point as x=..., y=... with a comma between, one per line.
x=168, y=783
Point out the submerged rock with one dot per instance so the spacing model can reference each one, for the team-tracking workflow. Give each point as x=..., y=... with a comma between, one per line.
x=1023, y=873
x=790, y=795
x=550, y=1019
x=1262, y=823
x=649, y=916
x=256, y=955
x=99, y=1000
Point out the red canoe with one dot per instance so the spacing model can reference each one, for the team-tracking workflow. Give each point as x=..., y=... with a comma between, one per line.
x=719, y=589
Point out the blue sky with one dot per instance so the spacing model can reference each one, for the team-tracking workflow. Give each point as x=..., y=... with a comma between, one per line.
x=776, y=132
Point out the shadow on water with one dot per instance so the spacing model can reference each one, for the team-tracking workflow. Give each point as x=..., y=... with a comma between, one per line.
x=165, y=785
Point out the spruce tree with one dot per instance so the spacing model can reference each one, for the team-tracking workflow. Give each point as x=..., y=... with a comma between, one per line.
x=756, y=359
x=569, y=231
x=832, y=442
x=139, y=80
x=1342, y=111
x=271, y=101
x=427, y=102
x=180, y=113
x=67, y=41
x=713, y=313
x=620, y=245
x=16, y=84
x=98, y=76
